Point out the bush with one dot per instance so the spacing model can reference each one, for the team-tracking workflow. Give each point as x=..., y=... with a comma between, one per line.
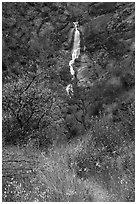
x=30, y=110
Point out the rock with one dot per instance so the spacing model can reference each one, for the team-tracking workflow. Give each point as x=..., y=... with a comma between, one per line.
x=84, y=71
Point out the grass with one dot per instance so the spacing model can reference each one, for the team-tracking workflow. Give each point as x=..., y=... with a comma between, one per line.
x=55, y=176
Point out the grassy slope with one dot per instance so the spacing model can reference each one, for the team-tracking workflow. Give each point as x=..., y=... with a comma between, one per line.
x=49, y=179
x=54, y=177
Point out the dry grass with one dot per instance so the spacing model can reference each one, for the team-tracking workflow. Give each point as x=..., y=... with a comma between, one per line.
x=54, y=176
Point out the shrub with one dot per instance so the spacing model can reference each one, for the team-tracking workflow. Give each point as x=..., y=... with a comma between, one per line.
x=30, y=110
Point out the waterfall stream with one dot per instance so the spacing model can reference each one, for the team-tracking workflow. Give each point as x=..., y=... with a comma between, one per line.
x=75, y=54
x=76, y=49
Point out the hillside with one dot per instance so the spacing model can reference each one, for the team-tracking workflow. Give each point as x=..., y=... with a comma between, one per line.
x=75, y=146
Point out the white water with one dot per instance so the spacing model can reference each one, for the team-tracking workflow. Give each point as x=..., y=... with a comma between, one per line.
x=76, y=49
x=75, y=54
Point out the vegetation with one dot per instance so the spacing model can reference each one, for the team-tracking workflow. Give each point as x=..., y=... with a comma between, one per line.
x=57, y=148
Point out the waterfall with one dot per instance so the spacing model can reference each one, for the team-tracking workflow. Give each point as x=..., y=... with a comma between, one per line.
x=75, y=54
x=76, y=49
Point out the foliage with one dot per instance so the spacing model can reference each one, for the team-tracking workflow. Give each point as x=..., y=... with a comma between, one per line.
x=30, y=110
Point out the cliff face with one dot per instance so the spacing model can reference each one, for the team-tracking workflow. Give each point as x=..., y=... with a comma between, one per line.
x=108, y=38
x=107, y=30
x=107, y=60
